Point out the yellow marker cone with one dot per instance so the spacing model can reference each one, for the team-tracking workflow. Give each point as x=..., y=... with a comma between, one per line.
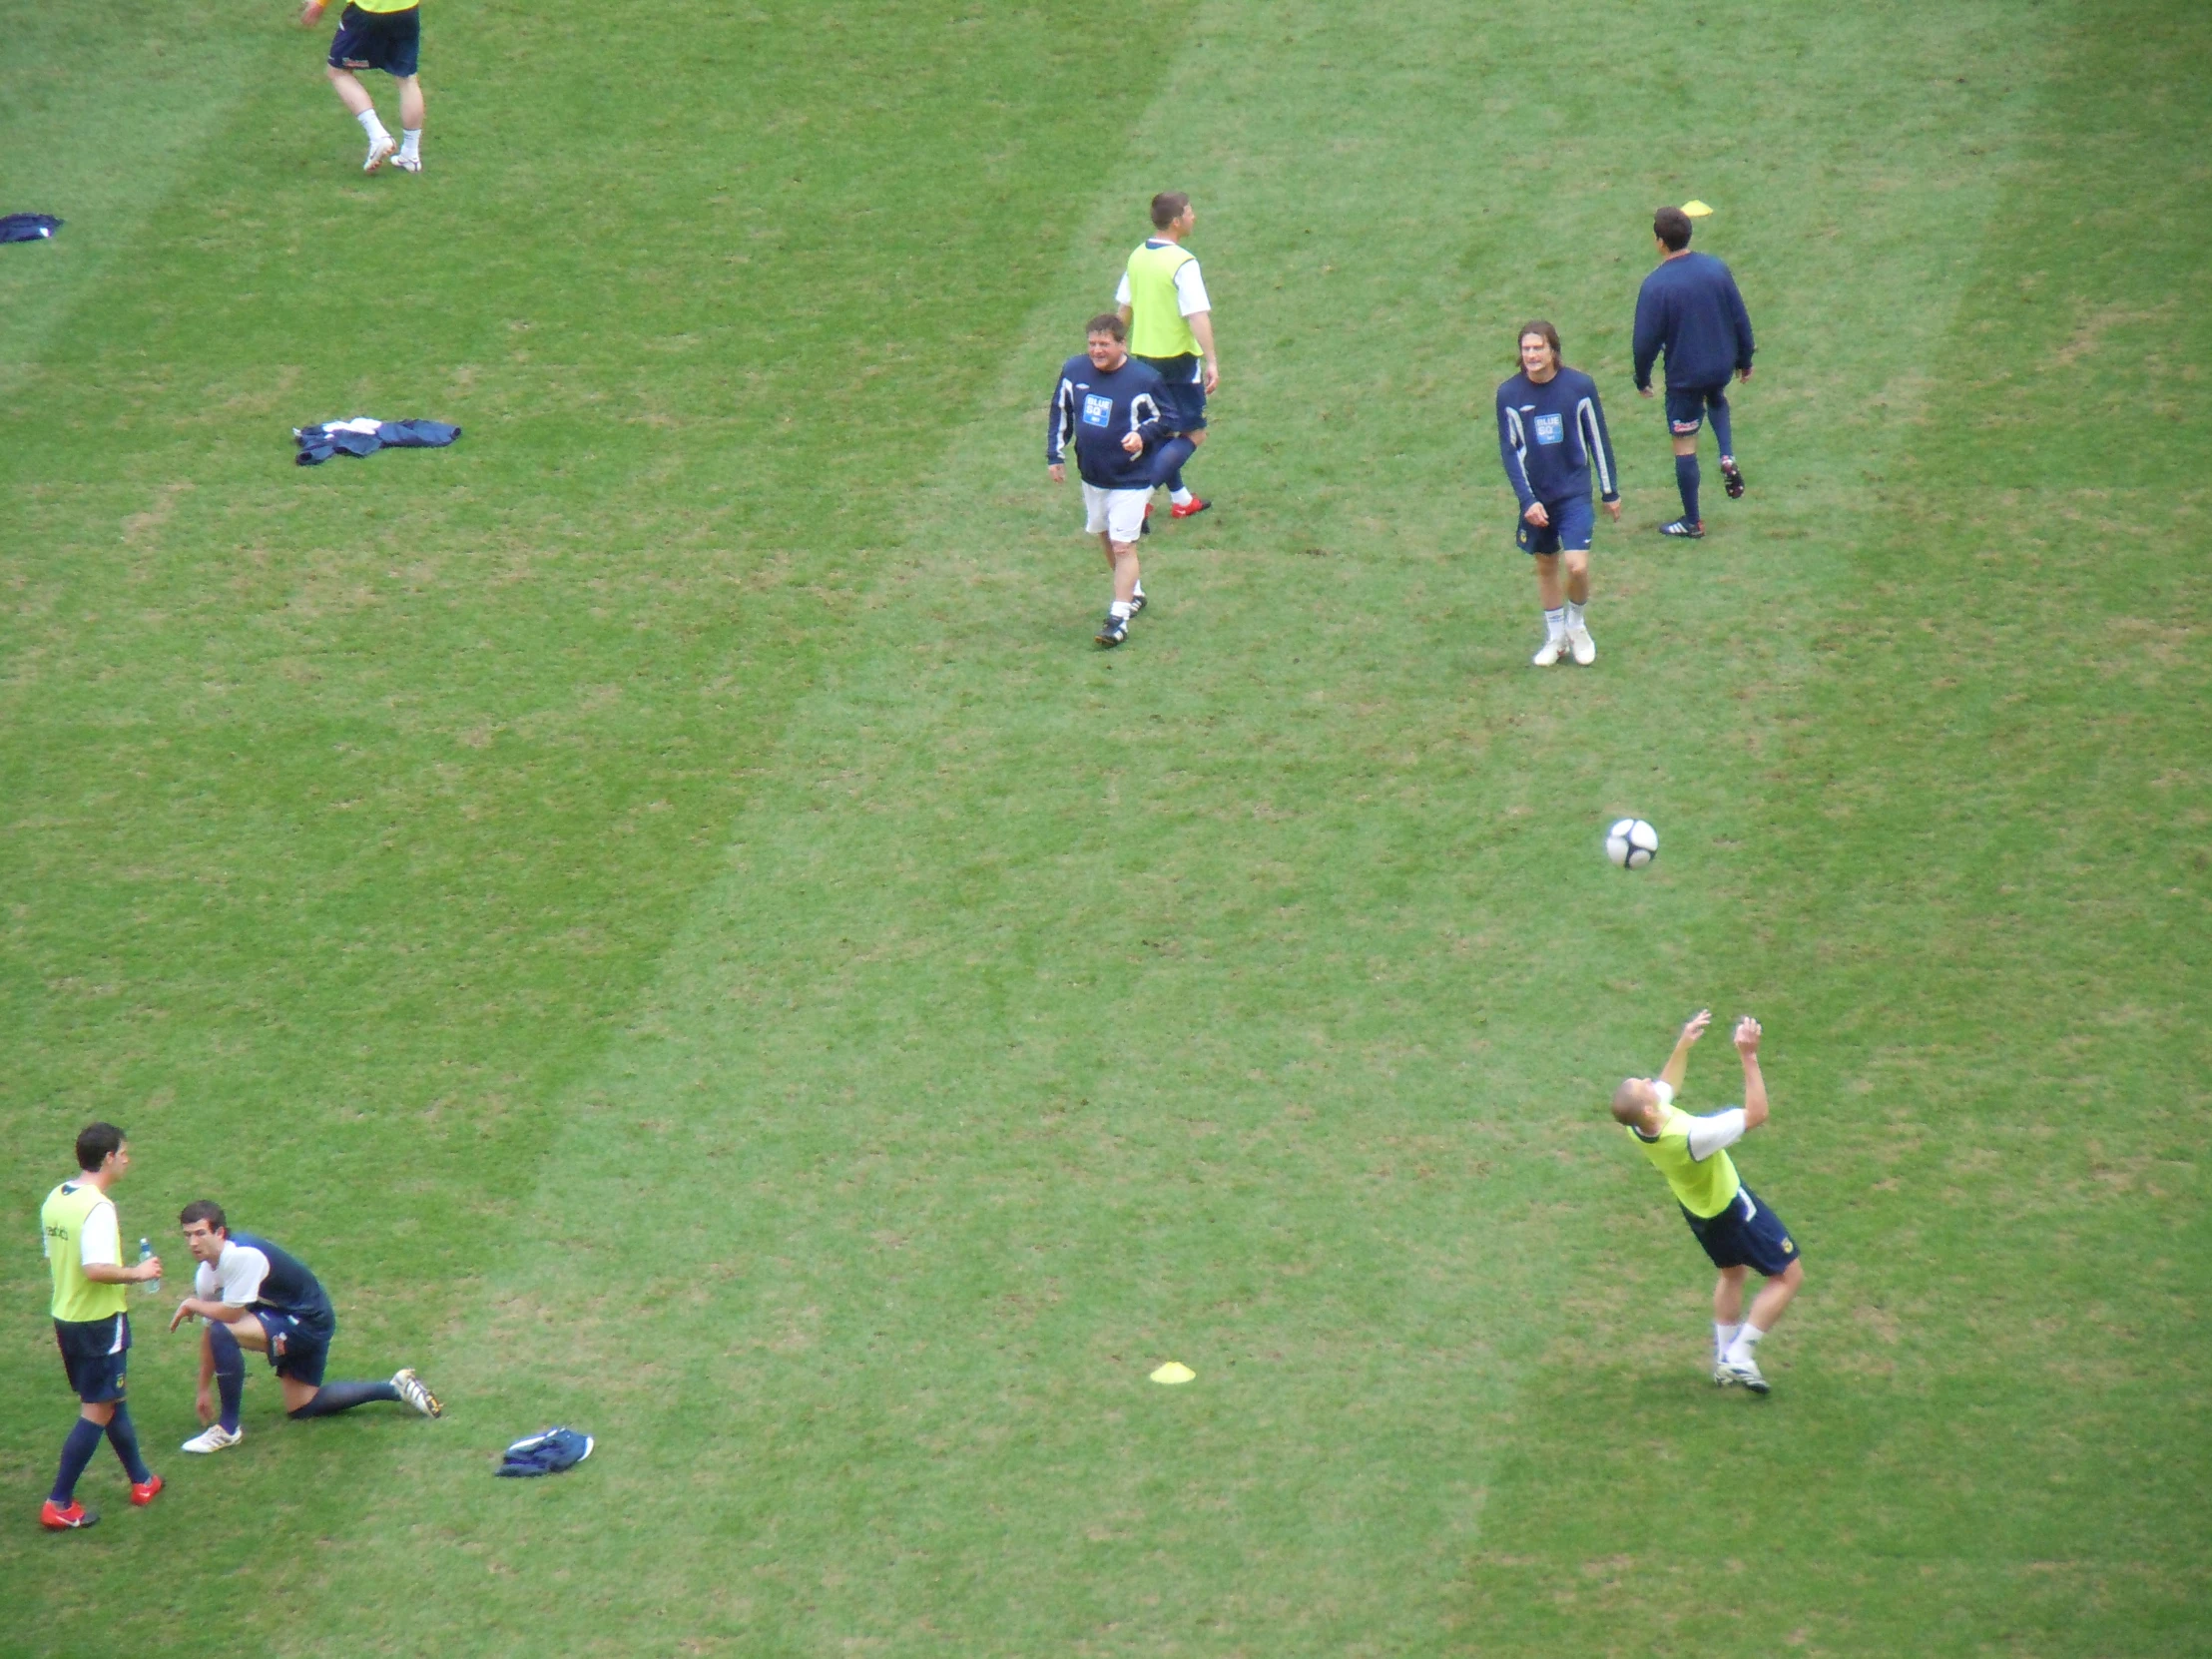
x=1174, y=1371
x=1697, y=210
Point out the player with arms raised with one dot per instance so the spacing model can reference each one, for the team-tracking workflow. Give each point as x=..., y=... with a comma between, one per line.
x=1737, y=1232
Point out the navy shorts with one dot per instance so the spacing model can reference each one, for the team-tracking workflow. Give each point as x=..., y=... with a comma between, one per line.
x=1183, y=410
x=1686, y=406
x=390, y=41
x=1573, y=520
x=1745, y=1235
x=95, y=1372
x=296, y=1349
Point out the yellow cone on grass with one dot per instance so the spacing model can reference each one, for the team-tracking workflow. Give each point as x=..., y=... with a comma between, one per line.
x=1174, y=1371
x=1696, y=209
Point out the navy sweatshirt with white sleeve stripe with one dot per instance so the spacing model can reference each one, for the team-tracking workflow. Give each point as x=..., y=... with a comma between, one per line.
x=1553, y=437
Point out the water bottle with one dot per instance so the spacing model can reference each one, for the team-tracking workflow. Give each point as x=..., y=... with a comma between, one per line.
x=153, y=1287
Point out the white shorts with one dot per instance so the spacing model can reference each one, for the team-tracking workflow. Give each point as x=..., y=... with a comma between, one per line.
x=1117, y=514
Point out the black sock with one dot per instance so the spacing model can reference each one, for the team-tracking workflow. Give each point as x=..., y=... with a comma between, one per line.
x=1685, y=479
x=229, y=1373
x=124, y=1437
x=333, y=1398
x=76, y=1451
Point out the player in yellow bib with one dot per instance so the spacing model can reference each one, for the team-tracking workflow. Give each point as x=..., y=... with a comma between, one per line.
x=1738, y=1233
x=84, y=1251
x=1163, y=302
x=385, y=35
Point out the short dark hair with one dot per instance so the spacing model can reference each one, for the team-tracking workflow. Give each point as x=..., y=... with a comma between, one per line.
x=1537, y=326
x=1106, y=323
x=94, y=1142
x=203, y=1209
x=1166, y=208
x=1672, y=227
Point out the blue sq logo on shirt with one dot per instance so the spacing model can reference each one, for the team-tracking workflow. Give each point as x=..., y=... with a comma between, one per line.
x=1550, y=428
x=1097, y=410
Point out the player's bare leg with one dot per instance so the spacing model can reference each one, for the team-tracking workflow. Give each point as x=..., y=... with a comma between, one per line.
x=409, y=158
x=1741, y=1362
x=1775, y=1296
x=1120, y=559
x=1578, y=595
x=1728, y=1317
x=362, y=108
x=1551, y=593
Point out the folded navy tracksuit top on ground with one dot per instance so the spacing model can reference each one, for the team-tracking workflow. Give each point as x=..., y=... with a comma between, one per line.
x=1689, y=308
x=364, y=436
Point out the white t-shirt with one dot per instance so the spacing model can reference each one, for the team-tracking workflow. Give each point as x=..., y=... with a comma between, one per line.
x=234, y=1277
x=100, y=1243
x=1190, y=289
x=1707, y=1134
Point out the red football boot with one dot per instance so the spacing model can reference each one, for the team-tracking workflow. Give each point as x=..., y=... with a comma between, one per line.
x=146, y=1492
x=1189, y=509
x=72, y=1519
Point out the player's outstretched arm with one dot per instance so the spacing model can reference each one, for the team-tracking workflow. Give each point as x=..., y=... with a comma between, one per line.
x=1678, y=1063
x=1754, y=1086
x=310, y=14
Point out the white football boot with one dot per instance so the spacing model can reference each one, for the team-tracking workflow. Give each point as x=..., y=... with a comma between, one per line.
x=1583, y=647
x=217, y=1438
x=380, y=152
x=1549, y=653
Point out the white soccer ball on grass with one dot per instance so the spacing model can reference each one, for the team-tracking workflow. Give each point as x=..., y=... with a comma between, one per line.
x=1632, y=844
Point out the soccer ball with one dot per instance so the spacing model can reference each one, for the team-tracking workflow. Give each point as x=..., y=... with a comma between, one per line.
x=1632, y=844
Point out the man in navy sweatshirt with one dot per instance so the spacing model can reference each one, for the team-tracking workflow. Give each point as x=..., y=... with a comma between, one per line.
x=1690, y=309
x=1552, y=437
x=1110, y=405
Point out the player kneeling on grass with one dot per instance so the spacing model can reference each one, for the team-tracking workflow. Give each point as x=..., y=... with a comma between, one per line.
x=254, y=1295
x=1737, y=1232
x=1109, y=404
x=1552, y=437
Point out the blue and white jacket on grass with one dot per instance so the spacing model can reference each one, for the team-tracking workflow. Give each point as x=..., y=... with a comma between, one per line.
x=1097, y=411
x=1553, y=437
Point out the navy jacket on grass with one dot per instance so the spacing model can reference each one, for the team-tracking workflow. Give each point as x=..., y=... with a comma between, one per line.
x=1690, y=309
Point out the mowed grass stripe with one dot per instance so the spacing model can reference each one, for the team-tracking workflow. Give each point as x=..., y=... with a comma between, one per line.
x=1063, y=1013
x=102, y=115
x=351, y=808
x=1982, y=918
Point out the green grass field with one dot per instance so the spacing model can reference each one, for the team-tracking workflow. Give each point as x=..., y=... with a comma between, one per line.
x=662, y=905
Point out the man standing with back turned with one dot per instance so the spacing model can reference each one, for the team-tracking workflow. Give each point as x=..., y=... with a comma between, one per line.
x=83, y=1250
x=1163, y=302
x=1737, y=1232
x=1690, y=309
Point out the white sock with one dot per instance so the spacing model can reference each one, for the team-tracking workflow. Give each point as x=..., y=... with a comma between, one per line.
x=1181, y=497
x=410, y=144
x=1122, y=607
x=371, y=126
x=1723, y=1335
x=1575, y=614
x=1555, y=623
x=1140, y=591
x=1747, y=1338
